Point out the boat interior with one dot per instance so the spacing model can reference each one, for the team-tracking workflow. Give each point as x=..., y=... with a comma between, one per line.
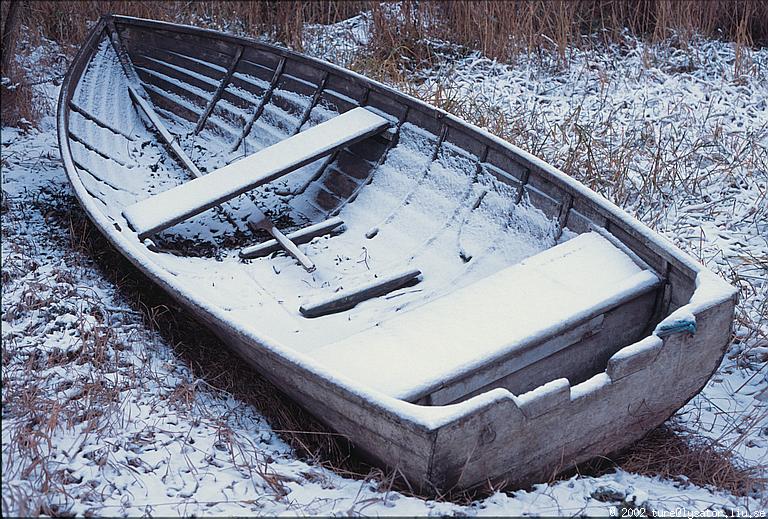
x=403, y=250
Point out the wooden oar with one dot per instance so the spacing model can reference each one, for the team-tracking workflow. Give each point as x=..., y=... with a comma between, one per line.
x=258, y=220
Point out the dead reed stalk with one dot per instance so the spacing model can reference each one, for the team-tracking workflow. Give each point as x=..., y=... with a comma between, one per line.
x=669, y=454
x=68, y=22
x=17, y=97
x=503, y=30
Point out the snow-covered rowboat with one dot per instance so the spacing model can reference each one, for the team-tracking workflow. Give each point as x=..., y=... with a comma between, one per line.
x=461, y=310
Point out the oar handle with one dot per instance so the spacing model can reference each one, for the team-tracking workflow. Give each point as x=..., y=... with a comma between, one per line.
x=292, y=249
x=258, y=220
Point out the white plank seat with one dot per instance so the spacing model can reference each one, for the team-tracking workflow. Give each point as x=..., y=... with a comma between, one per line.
x=170, y=207
x=498, y=325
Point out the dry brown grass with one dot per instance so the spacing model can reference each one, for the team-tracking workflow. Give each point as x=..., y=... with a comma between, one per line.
x=19, y=107
x=498, y=29
x=68, y=22
x=674, y=453
x=669, y=453
x=495, y=28
x=504, y=29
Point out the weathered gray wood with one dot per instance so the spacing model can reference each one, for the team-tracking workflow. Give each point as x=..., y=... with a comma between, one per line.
x=598, y=419
x=169, y=139
x=91, y=117
x=328, y=202
x=640, y=356
x=550, y=206
x=217, y=52
x=171, y=96
x=298, y=237
x=258, y=63
x=546, y=398
x=313, y=103
x=497, y=371
x=325, y=200
x=364, y=170
x=174, y=68
x=75, y=137
x=377, y=433
x=258, y=218
x=577, y=362
x=340, y=183
x=348, y=298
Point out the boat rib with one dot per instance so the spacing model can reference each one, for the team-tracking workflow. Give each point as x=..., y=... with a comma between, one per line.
x=260, y=107
x=219, y=90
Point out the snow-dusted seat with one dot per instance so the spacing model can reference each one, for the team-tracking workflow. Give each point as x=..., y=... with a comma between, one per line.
x=523, y=313
x=170, y=207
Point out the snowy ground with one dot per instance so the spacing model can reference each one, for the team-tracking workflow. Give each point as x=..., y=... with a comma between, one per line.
x=101, y=417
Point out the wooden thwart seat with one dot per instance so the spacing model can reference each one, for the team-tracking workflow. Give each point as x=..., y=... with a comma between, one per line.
x=480, y=333
x=181, y=202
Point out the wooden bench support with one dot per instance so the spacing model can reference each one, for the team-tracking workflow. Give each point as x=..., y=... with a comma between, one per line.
x=181, y=202
x=346, y=299
x=301, y=236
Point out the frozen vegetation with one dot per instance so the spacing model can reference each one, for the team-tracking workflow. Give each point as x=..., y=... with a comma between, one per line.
x=101, y=416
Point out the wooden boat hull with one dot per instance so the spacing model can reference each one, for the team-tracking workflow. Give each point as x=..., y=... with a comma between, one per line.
x=621, y=375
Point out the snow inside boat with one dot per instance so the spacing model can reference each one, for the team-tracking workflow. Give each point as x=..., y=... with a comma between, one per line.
x=461, y=310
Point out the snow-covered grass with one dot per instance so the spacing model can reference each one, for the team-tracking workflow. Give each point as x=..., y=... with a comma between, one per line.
x=116, y=403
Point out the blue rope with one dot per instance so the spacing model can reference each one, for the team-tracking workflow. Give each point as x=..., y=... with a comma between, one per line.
x=676, y=326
